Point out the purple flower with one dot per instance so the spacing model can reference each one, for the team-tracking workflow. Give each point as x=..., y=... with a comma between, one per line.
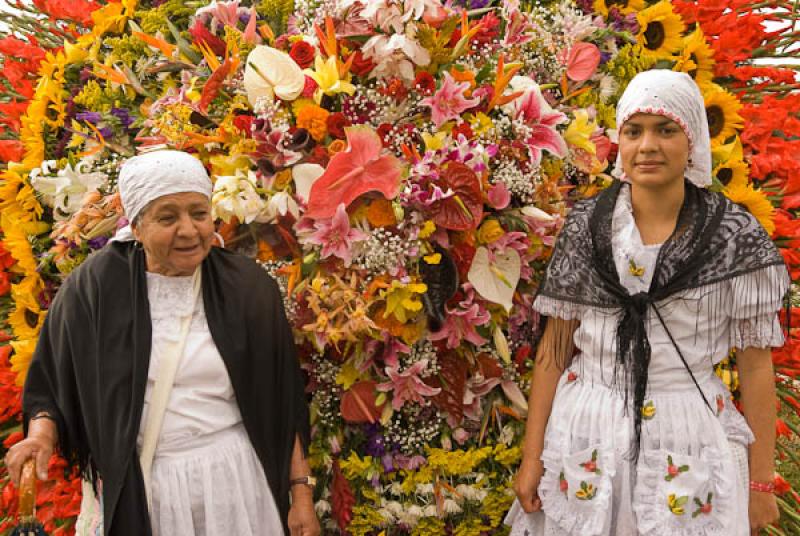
x=123, y=115
x=97, y=242
x=106, y=132
x=92, y=117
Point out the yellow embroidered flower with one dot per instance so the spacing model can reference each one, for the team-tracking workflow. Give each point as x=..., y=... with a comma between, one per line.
x=634, y=269
x=648, y=410
x=676, y=504
x=696, y=58
x=587, y=491
x=722, y=111
x=660, y=30
x=755, y=201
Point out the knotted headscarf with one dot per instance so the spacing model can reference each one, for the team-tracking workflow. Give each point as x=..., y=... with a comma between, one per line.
x=675, y=96
x=146, y=177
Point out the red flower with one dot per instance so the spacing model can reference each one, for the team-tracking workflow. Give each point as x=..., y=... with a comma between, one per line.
x=361, y=65
x=69, y=10
x=385, y=131
x=781, y=485
x=244, y=124
x=5, y=283
x=302, y=53
x=425, y=83
x=201, y=34
x=463, y=128
x=11, y=151
x=12, y=439
x=337, y=122
x=488, y=28
x=781, y=429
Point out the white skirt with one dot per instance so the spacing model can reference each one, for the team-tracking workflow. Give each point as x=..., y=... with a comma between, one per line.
x=215, y=487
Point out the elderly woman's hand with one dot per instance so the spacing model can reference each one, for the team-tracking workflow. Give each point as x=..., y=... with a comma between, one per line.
x=39, y=445
x=302, y=518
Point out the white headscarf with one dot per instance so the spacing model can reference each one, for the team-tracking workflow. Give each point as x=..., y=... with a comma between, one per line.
x=148, y=176
x=676, y=96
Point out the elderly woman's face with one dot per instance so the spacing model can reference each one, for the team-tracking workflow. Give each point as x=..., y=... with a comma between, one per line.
x=176, y=232
x=654, y=150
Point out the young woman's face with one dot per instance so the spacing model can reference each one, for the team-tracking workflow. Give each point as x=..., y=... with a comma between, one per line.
x=654, y=150
x=176, y=231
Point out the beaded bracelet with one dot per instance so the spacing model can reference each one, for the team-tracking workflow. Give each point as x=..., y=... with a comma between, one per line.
x=764, y=487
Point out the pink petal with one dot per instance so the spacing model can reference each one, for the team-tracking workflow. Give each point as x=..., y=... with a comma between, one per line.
x=583, y=61
x=499, y=196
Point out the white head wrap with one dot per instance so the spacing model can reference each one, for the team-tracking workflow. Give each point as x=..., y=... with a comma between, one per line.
x=676, y=96
x=148, y=176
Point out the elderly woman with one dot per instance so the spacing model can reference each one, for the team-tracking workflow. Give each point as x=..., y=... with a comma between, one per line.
x=654, y=281
x=166, y=370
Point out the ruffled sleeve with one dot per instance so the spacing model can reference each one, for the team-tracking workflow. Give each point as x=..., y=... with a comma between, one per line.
x=547, y=306
x=757, y=297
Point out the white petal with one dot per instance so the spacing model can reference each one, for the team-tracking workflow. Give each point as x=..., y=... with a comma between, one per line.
x=304, y=176
x=270, y=72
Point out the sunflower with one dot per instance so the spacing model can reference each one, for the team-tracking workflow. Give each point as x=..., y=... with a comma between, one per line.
x=722, y=111
x=732, y=173
x=696, y=59
x=660, y=30
x=624, y=6
x=754, y=201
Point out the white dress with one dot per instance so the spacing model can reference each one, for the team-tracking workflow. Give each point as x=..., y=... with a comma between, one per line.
x=206, y=477
x=691, y=477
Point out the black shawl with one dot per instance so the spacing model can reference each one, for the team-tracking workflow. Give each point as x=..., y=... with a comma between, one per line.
x=714, y=240
x=90, y=371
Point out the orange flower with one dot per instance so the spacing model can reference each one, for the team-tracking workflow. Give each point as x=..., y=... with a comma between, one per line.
x=315, y=120
x=336, y=146
x=380, y=213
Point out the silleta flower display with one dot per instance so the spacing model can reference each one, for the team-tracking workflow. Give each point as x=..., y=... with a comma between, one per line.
x=402, y=169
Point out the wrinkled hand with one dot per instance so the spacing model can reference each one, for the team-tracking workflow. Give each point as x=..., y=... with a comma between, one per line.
x=763, y=511
x=37, y=447
x=526, y=485
x=302, y=518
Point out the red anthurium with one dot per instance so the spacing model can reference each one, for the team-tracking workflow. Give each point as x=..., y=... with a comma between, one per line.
x=361, y=168
x=464, y=209
x=582, y=61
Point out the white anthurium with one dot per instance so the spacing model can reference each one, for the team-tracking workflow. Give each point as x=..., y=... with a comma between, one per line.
x=536, y=213
x=495, y=281
x=65, y=191
x=515, y=395
x=236, y=196
x=270, y=72
x=305, y=175
x=280, y=204
x=501, y=344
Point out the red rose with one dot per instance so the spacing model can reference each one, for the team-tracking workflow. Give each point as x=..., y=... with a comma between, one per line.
x=319, y=155
x=302, y=53
x=424, y=83
x=462, y=128
x=310, y=87
x=361, y=65
x=244, y=123
x=337, y=121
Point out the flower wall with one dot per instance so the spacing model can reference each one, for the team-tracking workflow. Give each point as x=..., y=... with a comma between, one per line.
x=402, y=169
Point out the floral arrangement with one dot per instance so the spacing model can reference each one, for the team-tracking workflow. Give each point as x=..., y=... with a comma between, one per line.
x=402, y=169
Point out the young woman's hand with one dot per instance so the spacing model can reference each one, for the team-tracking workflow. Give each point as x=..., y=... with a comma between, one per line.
x=526, y=485
x=763, y=510
x=302, y=518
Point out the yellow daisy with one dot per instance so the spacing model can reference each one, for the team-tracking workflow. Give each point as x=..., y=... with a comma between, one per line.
x=732, y=173
x=660, y=30
x=754, y=201
x=722, y=111
x=624, y=6
x=696, y=58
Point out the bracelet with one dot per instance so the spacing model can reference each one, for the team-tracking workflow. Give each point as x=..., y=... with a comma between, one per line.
x=763, y=487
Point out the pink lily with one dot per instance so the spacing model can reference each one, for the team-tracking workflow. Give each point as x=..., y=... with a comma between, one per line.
x=449, y=102
x=541, y=121
x=407, y=386
x=336, y=236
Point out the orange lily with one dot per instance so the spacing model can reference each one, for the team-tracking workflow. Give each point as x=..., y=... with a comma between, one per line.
x=501, y=82
x=293, y=272
x=327, y=39
x=100, y=139
x=111, y=74
x=166, y=48
x=411, y=153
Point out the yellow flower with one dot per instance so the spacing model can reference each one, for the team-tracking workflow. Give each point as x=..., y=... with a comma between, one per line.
x=489, y=231
x=732, y=173
x=456, y=462
x=326, y=75
x=434, y=258
x=722, y=111
x=660, y=30
x=624, y=6
x=402, y=300
x=696, y=58
x=355, y=467
x=755, y=201
x=648, y=410
x=676, y=504
x=428, y=228
x=580, y=130
x=21, y=360
x=480, y=123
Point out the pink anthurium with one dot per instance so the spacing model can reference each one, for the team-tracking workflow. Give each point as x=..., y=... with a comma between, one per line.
x=359, y=169
x=582, y=61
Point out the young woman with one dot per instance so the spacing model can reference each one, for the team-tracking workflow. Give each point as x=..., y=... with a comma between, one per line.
x=654, y=281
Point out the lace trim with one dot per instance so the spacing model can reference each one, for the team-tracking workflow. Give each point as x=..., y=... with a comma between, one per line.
x=659, y=505
x=761, y=332
x=575, y=497
x=170, y=298
x=548, y=306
